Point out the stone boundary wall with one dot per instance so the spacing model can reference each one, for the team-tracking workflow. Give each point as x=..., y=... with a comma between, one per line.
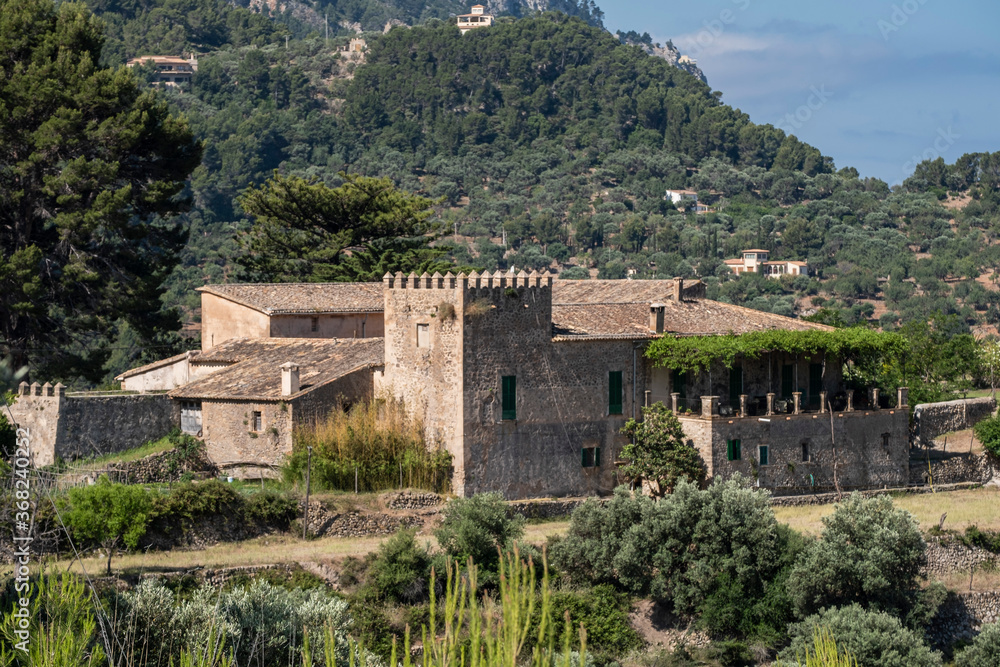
x=78, y=425
x=962, y=616
x=826, y=498
x=948, y=556
x=933, y=419
x=955, y=469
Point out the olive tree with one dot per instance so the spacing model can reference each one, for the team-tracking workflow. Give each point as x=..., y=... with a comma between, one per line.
x=109, y=514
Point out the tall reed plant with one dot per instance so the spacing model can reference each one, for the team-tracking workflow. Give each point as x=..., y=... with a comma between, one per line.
x=376, y=443
x=825, y=653
x=471, y=631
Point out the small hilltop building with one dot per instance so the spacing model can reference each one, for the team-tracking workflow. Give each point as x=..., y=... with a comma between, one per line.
x=477, y=18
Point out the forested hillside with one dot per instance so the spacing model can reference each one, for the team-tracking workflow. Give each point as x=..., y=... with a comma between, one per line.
x=549, y=144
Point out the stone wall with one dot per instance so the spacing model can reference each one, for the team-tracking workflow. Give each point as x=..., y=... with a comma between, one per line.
x=828, y=497
x=933, y=419
x=954, y=469
x=865, y=457
x=78, y=425
x=962, y=616
x=227, y=429
x=347, y=325
x=947, y=556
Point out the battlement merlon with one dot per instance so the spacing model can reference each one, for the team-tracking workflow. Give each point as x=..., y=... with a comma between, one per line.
x=474, y=280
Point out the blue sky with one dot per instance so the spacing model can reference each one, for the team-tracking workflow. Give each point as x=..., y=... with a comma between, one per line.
x=872, y=83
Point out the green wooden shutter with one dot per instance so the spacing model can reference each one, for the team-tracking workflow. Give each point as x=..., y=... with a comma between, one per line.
x=787, y=380
x=764, y=455
x=737, y=450
x=509, y=397
x=615, y=392
x=735, y=385
x=597, y=457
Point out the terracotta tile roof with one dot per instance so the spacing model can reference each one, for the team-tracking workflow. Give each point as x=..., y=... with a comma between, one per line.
x=258, y=377
x=236, y=350
x=613, y=291
x=601, y=320
x=688, y=318
x=303, y=298
x=703, y=317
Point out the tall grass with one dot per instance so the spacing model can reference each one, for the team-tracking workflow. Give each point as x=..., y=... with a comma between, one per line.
x=379, y=441
x=825, y=653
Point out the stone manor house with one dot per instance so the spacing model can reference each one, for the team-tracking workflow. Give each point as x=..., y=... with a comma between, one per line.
x=526, y=380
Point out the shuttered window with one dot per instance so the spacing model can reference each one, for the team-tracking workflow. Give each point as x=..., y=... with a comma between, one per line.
x=508, y=394
x=734, y=450
x=590, y=457
x=615, y=393
x=763, y=455
x=258, y=422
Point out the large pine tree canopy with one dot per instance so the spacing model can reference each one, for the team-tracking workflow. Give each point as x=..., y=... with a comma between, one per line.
x=91, y=169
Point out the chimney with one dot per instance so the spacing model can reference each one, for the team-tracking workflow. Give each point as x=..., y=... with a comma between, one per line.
x=656, y=317
x=289, y=379
x=678, y=289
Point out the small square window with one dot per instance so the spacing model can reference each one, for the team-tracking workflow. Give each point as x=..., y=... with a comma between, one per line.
x=423, y=335
x=314, y=324
x=763, y=455
x=258, y=421
x=590, y=457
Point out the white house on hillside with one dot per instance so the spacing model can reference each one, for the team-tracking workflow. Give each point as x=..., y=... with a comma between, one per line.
x=477, y=19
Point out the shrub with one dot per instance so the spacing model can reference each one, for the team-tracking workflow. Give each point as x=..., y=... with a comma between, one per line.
x=271, y=508
x=984, y=649
x=875, y=638
x=825, y=653
x=988, y=433
x=375, y=438
x=400, y=571
x=109, y=514
x=709, y=549
x=869, y=553
x=989, y=540
x=604, y=612
x=732, y=654
x=259, y=623
x=476, y=528
x=658, y=453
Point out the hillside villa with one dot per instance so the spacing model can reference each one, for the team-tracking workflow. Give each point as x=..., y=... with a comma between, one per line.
x=756, y=260
x=170, y=70
x=478, y=18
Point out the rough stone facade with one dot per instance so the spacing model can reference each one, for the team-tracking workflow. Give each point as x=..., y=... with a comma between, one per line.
x=871, y=448
x=933, y=419
x=479, y=331
x=77, y=425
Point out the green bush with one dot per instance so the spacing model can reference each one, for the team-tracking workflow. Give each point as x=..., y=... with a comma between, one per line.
x=271, y=508
x=190, y=502
x=875, y=638
x=983, y=539
x=870, y=553
x=732, y=653
x=984, y=651
x=400, y=572
x=109, y=514
x=658, y=453
x=988, y=433
x=709, y=550
x=604, y=612
x=477, y=528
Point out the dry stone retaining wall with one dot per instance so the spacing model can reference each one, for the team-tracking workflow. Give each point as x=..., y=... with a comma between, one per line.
x=945, y=557
x=963, y=615
x=959, y=468
x=933, y=419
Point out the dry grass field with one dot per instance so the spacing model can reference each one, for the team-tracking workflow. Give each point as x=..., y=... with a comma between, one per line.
x=979, y=507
